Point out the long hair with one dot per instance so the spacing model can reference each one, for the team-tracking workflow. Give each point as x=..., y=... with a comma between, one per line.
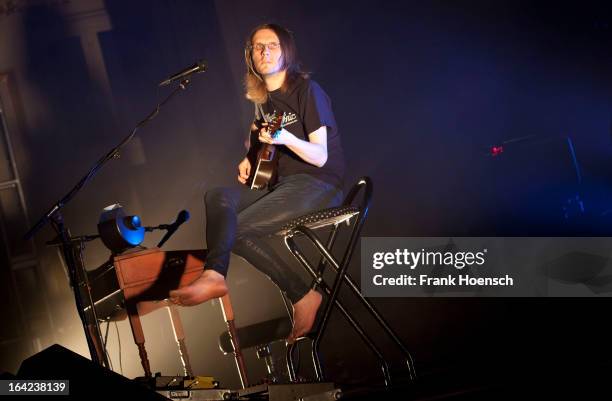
x=254, y=84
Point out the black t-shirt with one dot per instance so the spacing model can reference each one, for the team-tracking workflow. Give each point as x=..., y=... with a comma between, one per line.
x=307, y=108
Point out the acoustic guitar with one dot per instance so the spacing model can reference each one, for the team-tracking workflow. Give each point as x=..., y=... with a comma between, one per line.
x=265, y=162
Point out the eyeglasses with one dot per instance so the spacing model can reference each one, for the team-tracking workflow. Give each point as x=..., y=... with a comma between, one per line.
x=262, y=46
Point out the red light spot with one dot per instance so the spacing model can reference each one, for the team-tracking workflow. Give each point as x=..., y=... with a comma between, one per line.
x=496, y=150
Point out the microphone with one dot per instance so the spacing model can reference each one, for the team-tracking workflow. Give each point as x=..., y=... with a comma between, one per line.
x=199, y=66
x=182, y=217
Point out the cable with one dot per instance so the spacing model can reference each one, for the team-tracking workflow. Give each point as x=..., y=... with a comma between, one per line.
x=119, y=342
x=110, y=362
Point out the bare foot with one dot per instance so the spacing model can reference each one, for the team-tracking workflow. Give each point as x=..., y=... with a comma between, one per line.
x=209, y=285
x=304, y=314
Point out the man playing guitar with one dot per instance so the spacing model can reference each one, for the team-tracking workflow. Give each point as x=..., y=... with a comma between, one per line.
x=309, y=170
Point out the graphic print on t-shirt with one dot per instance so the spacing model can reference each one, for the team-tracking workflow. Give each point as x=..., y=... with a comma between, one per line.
x=290, y=118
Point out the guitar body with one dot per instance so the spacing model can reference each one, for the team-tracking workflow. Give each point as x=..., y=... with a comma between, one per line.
x=264, y=173
x=263, y=165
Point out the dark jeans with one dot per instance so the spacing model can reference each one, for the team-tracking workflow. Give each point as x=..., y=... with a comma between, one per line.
x=239, y=220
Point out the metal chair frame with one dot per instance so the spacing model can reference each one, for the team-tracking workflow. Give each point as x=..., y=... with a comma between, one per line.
x=341, y=268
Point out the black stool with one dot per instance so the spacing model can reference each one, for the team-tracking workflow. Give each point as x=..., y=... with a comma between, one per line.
x=336, y=216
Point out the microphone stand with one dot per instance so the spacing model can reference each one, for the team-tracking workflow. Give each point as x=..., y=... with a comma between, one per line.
x=72, y=248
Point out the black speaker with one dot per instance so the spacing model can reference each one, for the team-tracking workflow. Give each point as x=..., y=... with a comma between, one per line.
x=87, y=380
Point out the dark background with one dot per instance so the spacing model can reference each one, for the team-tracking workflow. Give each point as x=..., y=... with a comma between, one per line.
x=421, y=91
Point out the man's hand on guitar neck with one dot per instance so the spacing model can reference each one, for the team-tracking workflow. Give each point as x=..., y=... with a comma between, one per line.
x=244, y=170
x=282, y=137
x=313, y=151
